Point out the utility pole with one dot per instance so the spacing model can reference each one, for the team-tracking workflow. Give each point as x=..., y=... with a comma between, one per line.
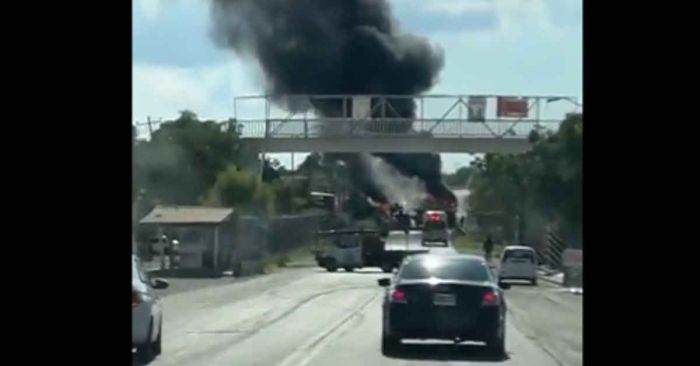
x=150, y=127
x=135, y=220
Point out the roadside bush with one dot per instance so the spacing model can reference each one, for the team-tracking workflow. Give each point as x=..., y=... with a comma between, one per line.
x=282, y=260
x=243, y=191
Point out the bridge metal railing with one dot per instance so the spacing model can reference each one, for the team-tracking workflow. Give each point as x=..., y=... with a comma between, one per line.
x=442, y=116
x=339, y=127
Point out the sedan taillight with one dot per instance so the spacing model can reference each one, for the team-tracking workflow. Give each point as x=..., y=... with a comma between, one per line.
x=490, y=298
x=398, y=296
x=135, y=298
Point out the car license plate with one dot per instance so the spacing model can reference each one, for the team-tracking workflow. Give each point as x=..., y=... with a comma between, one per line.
x=444, y=300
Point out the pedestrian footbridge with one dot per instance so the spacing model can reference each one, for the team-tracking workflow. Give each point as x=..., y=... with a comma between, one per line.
x=396, y=123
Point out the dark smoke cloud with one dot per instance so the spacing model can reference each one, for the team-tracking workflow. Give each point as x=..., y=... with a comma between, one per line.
x=335, y=47
x=327, y=47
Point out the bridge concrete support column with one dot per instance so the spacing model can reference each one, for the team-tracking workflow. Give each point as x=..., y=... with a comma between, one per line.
x=262, y=165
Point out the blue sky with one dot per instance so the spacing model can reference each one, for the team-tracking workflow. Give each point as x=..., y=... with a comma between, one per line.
x=527, y=47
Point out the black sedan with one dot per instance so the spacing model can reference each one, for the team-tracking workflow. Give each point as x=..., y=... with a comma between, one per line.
x=446, y=297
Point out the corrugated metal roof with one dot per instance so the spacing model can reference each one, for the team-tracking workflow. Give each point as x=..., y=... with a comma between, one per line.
x=186, y=215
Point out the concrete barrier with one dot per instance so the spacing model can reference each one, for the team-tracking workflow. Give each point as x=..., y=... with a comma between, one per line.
x=573, y=276
x=572, y=261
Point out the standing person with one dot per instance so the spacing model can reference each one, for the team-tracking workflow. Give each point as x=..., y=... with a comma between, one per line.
x=488, y=248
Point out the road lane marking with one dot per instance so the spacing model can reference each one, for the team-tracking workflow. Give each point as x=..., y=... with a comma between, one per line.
x=519, y=324
x=304, y=354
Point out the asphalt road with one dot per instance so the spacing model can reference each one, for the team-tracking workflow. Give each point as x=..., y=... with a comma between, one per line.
x=311, y=317
x=551, y=316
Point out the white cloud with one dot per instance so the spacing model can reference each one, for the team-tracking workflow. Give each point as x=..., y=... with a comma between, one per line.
x=163, y=90
x=456, y=7
x=149, y=9
x=516, y=16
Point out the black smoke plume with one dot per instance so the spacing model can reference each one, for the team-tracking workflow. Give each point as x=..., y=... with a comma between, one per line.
x=336, y=47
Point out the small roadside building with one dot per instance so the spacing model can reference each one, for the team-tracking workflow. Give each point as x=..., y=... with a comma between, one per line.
x=205, y=234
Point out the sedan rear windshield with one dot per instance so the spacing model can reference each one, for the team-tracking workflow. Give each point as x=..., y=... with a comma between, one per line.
x=452, y=269
x=519, y=254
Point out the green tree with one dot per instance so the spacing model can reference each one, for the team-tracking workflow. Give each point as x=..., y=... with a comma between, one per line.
x=557, y=164
x=243, y=191
x=272, y=170
x=459, y=178
x=181, y=161
x=290, y=195
x=546, y=180
x=499, y=191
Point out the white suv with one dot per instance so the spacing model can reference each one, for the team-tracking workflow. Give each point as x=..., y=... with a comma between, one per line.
x=518, y=262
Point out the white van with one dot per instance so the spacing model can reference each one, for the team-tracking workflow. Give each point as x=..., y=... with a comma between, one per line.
x=518, y=263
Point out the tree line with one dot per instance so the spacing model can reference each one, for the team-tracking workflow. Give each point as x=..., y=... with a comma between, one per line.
x=189, y=161
x=523, y=192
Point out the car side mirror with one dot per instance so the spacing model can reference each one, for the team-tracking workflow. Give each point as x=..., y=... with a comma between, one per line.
x=160, y=284
x=384, y=282
x=503, y=285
